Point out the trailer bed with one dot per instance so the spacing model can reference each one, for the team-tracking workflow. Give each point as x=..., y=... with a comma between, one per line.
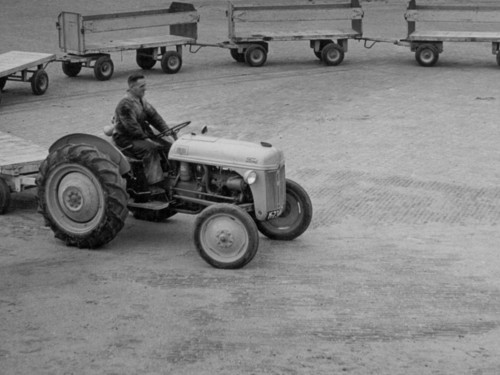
x=16, y=61
x=19, y=156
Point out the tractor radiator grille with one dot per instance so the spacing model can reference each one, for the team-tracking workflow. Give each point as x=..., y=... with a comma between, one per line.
x=275, y=189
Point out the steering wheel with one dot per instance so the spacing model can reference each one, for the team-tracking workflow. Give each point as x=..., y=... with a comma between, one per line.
x=173, y=130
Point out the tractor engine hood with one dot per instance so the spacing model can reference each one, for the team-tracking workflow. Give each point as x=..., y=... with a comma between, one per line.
x=227, y=153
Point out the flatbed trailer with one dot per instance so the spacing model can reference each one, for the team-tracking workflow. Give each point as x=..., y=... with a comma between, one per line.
x=250, y=44
x=88, y=40
x=428, y=43
x=25, y=67
x=19, y=163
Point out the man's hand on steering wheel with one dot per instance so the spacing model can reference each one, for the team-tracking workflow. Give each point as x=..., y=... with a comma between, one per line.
x=172, y=132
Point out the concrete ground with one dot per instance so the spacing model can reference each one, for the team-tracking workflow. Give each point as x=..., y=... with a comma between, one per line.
x=398, y=273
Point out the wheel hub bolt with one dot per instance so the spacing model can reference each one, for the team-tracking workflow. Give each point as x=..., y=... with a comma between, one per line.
x=225, y=239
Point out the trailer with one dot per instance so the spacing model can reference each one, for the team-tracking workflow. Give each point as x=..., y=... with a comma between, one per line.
x=25, y=67
x=19, y=163
x=88, y=40
x=439, y=19
x=249, y=43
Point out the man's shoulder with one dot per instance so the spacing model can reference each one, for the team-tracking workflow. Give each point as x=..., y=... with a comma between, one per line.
x=125, y=101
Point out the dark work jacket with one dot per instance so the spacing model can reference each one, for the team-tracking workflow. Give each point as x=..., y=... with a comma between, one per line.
x=132, y=119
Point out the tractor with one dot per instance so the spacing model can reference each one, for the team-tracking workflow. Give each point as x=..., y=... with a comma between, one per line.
x=87, y=188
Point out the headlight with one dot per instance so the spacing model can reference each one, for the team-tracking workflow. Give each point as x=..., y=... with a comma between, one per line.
x=250, y=177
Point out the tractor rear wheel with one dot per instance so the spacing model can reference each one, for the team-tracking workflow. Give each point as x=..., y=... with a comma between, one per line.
x=226, y=236
x=82, y=196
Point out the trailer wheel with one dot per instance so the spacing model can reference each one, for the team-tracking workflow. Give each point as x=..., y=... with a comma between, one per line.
x=332, y=54
x=322, y=44
x=295, y=218
x=4, y=196
x=82, y=196
x=427, y=55
x=498, y=58
x=103, y=68
x=144, y=58
x=237, y=56
x=226, y=236
x=255, y=55
x=39, y=82
x=3, y=81
x=171, y=62
x=71, y=69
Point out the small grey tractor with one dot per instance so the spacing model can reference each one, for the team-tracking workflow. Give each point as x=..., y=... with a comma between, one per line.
x=87, y=187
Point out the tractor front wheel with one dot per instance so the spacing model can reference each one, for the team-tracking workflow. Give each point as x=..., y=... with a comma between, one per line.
x=295, y=218
x=82, y=196
x=226, y=236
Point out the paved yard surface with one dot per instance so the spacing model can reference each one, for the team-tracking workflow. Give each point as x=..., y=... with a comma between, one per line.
x=399, y=272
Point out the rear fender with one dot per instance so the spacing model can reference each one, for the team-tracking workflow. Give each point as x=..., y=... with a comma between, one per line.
x=102, y=145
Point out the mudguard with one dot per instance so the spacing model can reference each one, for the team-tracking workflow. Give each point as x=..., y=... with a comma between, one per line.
x=101, y=144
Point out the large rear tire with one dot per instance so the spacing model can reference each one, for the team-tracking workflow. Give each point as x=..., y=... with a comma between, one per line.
x=295, y=218
x=82, y=196
x=226, y=236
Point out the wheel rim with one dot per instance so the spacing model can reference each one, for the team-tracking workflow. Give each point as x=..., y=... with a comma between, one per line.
x=291, y=216
x=43, y=82
x=427, y=56
x=332, y=55
x=173, y=62
x=257, y=56
x=106, y=68
x=224, y=238
x=76, y=198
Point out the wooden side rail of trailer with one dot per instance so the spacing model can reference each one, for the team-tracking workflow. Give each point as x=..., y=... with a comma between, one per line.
x=428, y=43
x=250, y=43
x=89, y=39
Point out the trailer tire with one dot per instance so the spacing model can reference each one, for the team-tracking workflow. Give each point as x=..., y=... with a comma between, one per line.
x=71, y=69
x=3, y=81
x=295, y=218
x=171, y=62
x=4, y=196
x=39, y=82
x=255, y=55
x=82, y=196
x=237, y=56
x=427, y=55
x=332, y=54
x=226, y=236
x=322, y=44
x=498, y=59
x=144, y=58
x=103, y=68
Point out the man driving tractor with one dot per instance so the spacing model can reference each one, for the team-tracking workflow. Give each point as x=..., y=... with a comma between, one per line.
x=132, y=132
